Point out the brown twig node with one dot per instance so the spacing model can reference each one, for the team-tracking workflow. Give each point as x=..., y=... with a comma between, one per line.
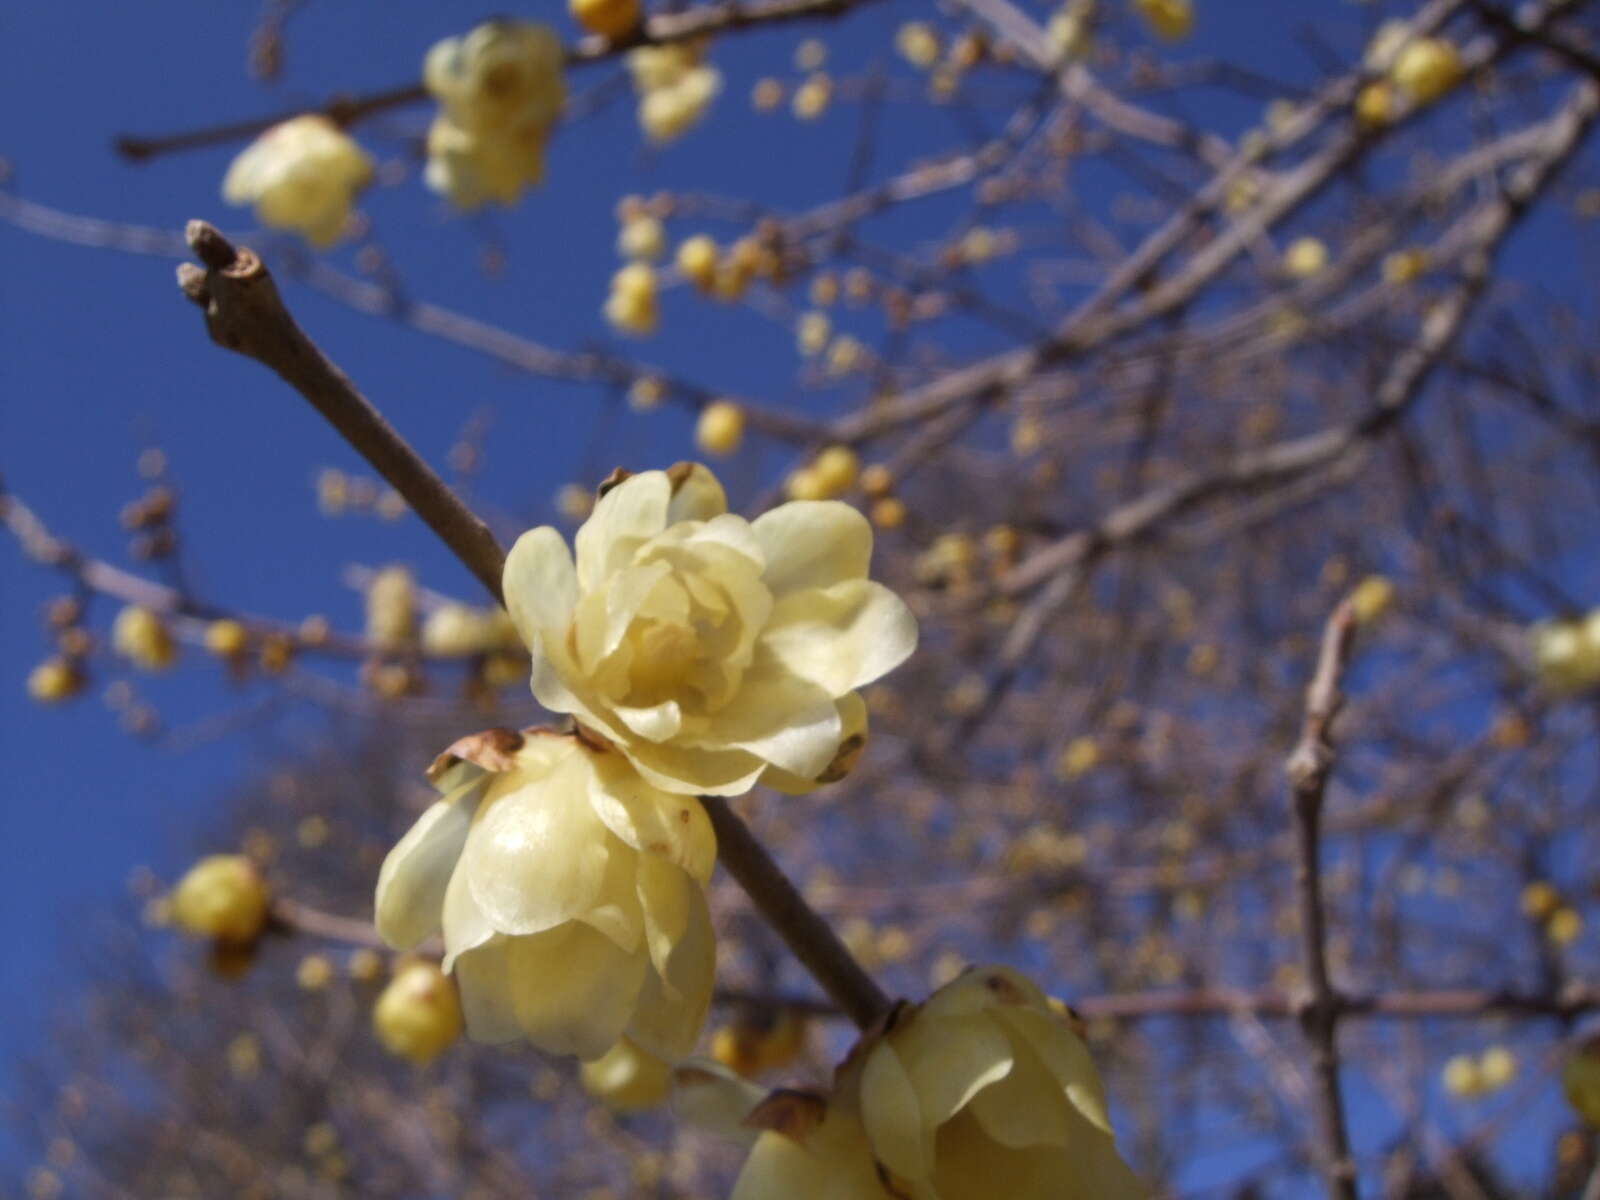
x=245, y=314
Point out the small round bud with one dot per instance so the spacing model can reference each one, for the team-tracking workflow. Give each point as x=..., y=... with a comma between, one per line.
x=226, y=638
x=642, y=240
x=1462, y=1077
x=805, y=484
x=1375, y=104
x=631, y=306
x=917, y=43
x=1371, y=598
x=314, y=973
x=1427, y=69
x=646, y=393
x=222, y=896
x=811, y=97
x=889, y=513
x=697, y=260
x=1080, y=757
x=54, y=680
x=627, y=1079
x=392, y=608
x=1565, y=926
x=720, y=429
x=1404, y=266
x=812, y=332
x=1170, y=20
x=1497, y=1066
x=418, y=1014
x=608, y=18
x=140, y=636
x=766, y=95
x=365, y=965
x=836, y=469
x=1539, y=900
x=1306, y=256
x=876, y=480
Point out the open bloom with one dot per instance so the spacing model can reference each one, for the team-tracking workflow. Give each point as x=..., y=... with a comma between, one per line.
x=710, y=650
x=570, y=894
x=500, y=90
x=675, y=88
x=982, y=1091
x=302, y=174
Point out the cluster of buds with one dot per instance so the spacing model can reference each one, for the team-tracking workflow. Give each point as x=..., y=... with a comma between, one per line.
x=303, y=175
x=149, y=520
x=1469, y=1077
x=830, y=474
x=1544, y=905
x=500, y=89
x=63, y=675
x=675, y=86
x=724, y=275
x=633, y=306
x=1420, y=69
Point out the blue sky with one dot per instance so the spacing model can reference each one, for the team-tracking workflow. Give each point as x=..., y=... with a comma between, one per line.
x=102, y=358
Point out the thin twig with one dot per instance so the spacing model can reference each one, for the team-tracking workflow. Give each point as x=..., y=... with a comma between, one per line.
x=245, y=313
x=1309, y=767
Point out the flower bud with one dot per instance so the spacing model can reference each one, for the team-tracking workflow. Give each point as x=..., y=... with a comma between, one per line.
x=1306, y=256
x=1170, y=20
x=697, y=260
x=54, y=680
x=392, y=608
x=608, y=18
x=631, y=306
x=418, y=1014
x=720, y=428
x=627, y=1079
x=222, y=896
x=1427, y=69
x=226, y=638
x=140, y=636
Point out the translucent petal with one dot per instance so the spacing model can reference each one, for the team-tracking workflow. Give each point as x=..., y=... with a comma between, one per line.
x=853, y=725
x=813, y=544
x=674, y=828
x=834, y=1163
x=540, y=585
x=1028, y=1108
x=409, y=903
x=537, y=855
x=623, y=519
x=951, y=1061
x=841, y=637
x=655, y=723
x=696, y=770
x=711, y=1097
x=892, y=1115
x=574, y=989
x=673, y=1003
x=1067, y=1058
x=488, y=1005
x=465, y=925
x=697, y=496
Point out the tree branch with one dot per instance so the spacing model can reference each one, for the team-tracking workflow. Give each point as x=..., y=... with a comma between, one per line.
x=1309, y=767
x=244, y=313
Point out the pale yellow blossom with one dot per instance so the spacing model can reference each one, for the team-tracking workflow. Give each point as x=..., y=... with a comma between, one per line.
x=983, y=1091
x=222, y=896
x=570, y=895
x=710, y=650
x=627, y=1079
x=675, y=87
x=418, y=1014
x=303, y=174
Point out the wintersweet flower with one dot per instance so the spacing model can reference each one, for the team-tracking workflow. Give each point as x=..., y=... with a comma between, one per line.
x=303, y=174
x=500, y=89
x=982, y=1091
x=570, y=894
x=711, y=651
x=675, y=87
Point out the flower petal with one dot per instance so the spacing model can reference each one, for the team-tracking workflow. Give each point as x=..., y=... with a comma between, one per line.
x=626, y=516
x=538, y=855
x=676, y=996
x=813, y=544
x=696, y=770
x=696, y=494
x=540, y=585
x=852, y=740
x=843, y=636
x=673, y=828
x=409, y=903
x=1067, y=1058
x=951, y=1061
x=890, y=1109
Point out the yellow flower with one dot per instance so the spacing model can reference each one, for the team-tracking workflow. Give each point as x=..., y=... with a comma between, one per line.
x=981, y=1091
x=608, y=18
x=1566, y=654
x=1580, y=1079
x=811, y=97
x=1497, y=1066
x=304, y=175
x=675, y=88
x=418, y=1013
x=812, y=332
x=222, y=896
x=1071, y=29
x=837, y=468
x=500, y=90
x=627, y=1079
x=755, y=1047
x=1426, y=69
x=457, y=631
x=1171, y=20
x=631, y=306
x=140, y=636
x=392, y=608
x=720, y=429
x=1375, y=104
x=713, y=652
x=570, y=894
